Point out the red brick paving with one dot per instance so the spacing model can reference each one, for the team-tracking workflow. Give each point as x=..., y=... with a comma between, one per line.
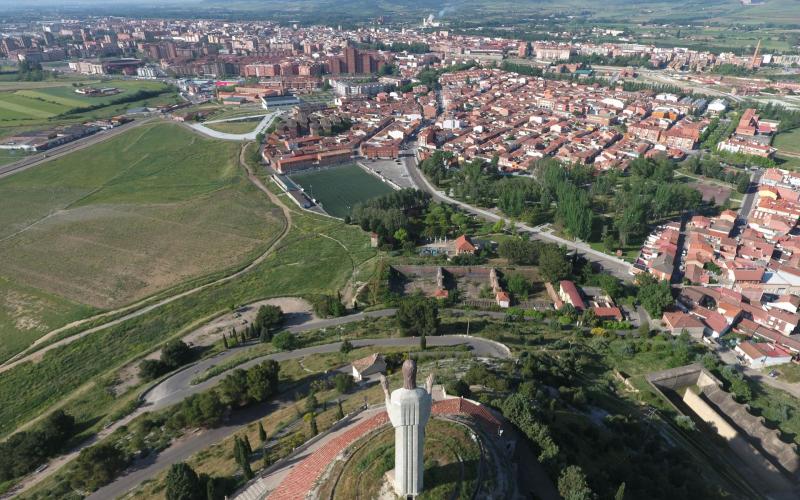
x=304, y=476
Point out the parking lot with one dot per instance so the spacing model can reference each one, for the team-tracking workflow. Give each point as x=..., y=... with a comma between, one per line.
x=393, y=170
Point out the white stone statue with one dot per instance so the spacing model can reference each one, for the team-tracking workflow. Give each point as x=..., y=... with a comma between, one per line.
x=409, y=409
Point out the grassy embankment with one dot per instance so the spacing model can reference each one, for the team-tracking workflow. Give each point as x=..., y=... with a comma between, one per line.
x=120, y=221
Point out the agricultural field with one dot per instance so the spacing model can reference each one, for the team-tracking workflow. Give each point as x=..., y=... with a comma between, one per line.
x=337, y=189
x=788, y=141
x=125, y=219
x=318, y=256
x=38, y=103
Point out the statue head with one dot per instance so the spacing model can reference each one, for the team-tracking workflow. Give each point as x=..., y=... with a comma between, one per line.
x=409, y=374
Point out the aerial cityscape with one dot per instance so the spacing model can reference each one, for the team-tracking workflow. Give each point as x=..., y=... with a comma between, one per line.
x=421, y=249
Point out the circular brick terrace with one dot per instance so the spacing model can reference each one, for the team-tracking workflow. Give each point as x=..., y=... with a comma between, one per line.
x=304, y=476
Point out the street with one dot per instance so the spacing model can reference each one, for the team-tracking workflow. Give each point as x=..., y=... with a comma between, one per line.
x=610, y=264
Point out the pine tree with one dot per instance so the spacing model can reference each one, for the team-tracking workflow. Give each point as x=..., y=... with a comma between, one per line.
x=262, y=434
x=224, y=341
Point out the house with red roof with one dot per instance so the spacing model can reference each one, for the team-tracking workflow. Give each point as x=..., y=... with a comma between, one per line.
x=464, y=246
x=678, y=321
x=762, y=354
x=569, y=293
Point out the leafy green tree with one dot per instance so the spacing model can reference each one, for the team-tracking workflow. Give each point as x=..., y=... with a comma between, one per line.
x=262, y=380
x=182, y=483
x=554, y=264
x=655, y=296
x=98, y=465
x=346, y=347
x=418, y=315
x=176, y=353
x=284, y=341
x=233, y=388
x=268, y=318
x=151, y=369
x=572, y=484
x=519, y=286
x=458, y=387
x=743, y=184
x=343, y=382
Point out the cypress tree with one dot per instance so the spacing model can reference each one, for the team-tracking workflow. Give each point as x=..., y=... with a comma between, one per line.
x=339, y=410
x=262, y=434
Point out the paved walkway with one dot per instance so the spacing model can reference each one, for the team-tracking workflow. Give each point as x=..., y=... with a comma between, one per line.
x=298, y=474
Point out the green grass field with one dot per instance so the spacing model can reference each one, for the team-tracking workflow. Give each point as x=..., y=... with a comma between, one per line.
x=339, y=188
x=117, y=222
x=25, y=105
x=10, y=156
x=788, y=141
x=238, y=127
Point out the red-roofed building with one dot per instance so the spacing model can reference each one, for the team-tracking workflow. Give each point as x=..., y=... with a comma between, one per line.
x=463, y=246
x=763, y=354
x=676, y=322
x=569, y=293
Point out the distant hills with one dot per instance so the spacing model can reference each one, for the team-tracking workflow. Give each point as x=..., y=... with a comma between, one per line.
x=778, y=12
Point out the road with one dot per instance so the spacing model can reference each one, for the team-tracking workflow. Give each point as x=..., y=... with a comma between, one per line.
x=250, y=136
x=750, y=196
x=70, y=147
x=177, y=387
x=140, y=308
x=610, y=264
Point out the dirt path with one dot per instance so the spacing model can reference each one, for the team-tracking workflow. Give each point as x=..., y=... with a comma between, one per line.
x=142, y=307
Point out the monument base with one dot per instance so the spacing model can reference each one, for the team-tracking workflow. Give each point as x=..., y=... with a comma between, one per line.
x=388, y=491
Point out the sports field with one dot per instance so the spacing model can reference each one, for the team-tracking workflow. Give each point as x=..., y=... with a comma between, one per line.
x=122, y=220
x=337, y=189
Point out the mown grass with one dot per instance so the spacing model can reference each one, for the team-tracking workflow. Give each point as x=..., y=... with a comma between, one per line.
x=788, y=141
x=127, y=218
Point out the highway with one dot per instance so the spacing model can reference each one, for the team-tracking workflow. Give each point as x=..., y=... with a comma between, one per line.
x=610, y=264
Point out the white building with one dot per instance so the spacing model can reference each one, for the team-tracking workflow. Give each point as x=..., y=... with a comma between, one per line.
x=763, y=355
x=374, y=363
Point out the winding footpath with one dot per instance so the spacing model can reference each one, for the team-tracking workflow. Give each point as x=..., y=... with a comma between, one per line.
x=178, y=387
